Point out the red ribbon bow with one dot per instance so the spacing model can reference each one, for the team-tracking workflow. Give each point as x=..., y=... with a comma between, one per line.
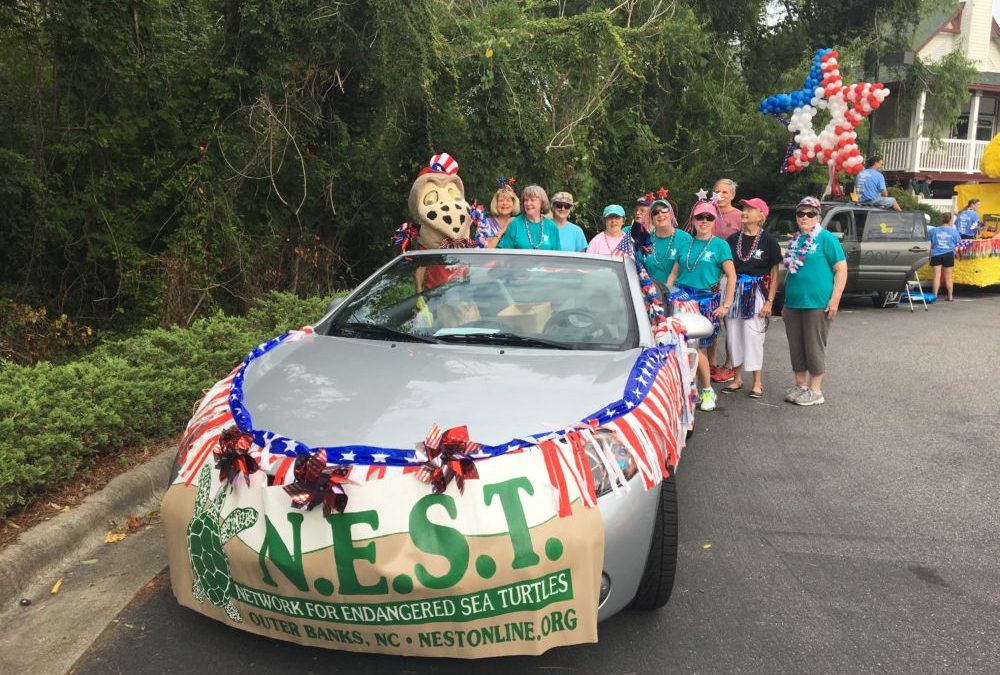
x=316, y=482
x=447, y=458
x=232, y=456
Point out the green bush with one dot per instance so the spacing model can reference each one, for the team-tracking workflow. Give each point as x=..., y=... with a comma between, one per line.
x=55, y=420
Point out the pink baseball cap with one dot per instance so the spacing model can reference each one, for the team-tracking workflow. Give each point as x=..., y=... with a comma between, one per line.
x=703, y=207
x=756, y=203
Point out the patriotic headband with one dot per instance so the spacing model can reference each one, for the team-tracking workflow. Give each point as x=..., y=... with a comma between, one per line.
x=506, y=183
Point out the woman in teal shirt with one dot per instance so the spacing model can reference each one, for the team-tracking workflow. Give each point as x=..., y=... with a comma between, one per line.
x=532, y=230
x=668, y=241
x=698, y=269
x=817, y=272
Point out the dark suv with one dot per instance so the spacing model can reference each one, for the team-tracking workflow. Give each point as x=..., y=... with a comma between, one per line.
x=883, y=247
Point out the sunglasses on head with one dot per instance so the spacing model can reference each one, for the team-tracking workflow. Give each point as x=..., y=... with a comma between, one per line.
x=806, y=214
x=561, y=205
x=705, y=216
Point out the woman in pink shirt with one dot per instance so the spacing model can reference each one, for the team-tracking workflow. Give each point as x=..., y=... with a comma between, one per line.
x=607, y=242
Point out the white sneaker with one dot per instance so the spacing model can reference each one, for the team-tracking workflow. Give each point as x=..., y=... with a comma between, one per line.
x=707, y=401
x=792, y=393
x=809, y=397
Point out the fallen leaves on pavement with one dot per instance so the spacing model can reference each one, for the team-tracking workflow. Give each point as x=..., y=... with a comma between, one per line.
x=132, y=524
x=56, y=586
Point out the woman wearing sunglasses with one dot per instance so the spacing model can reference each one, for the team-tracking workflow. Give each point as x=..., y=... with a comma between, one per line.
x=571, y=237
x=668, y=241
x=698, y=269
x=817, y=272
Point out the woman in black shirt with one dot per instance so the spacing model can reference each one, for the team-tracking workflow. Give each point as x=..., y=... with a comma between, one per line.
x=756, y=255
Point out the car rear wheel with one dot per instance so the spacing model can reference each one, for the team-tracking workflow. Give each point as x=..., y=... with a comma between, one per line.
x=661, y=562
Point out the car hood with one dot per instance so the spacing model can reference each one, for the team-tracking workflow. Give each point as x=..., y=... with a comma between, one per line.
x=331, y=391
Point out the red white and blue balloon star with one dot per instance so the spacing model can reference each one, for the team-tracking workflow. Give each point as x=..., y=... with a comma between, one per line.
x=837, y=144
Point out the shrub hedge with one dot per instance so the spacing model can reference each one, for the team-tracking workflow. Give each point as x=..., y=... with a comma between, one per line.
x=55, y=420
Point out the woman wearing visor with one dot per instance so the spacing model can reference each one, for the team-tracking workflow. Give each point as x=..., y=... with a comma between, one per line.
x=817, y=272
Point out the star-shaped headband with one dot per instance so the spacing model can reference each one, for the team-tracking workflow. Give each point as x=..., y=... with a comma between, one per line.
x=702, y=196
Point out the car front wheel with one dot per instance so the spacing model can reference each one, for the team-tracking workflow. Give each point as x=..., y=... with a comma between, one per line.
x=661, y=563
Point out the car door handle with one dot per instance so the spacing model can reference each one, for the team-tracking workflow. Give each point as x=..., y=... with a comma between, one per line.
x=918, y=249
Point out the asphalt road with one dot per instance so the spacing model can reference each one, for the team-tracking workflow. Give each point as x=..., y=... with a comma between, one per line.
x=858, y=536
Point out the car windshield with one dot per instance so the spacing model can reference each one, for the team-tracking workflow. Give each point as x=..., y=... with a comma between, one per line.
x=518, y=300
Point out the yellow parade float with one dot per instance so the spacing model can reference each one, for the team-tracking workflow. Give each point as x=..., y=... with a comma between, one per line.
x=977, y=261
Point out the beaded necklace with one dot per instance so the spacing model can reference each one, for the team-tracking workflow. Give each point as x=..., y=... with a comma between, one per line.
x=687, y=260
x=753, y=247
x=670, y=245
x=541, y=233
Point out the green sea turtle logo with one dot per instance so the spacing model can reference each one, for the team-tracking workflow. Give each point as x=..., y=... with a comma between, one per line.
x=206, y=536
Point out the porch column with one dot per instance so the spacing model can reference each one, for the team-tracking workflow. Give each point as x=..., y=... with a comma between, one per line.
x=917, y=127
x=970, y=157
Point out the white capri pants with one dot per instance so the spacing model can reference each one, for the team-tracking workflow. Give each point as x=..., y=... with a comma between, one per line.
x=745, y=339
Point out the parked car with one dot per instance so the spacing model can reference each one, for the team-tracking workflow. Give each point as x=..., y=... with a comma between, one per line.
x=508, y=343
x=883, y=247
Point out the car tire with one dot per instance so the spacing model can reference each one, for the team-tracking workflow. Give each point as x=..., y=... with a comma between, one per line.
x=661, y=562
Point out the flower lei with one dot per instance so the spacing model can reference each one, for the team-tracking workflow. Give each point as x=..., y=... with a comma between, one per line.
x=795, y=256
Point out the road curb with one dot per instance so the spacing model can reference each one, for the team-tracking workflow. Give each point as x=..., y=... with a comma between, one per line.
x=48, y=545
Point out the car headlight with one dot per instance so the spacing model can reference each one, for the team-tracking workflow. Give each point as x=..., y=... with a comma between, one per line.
x=608, y=449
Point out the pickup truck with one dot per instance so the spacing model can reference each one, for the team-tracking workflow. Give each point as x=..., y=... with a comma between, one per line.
x=883, y=247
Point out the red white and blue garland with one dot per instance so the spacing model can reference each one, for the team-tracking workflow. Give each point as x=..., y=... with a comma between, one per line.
x=650, y=420
x=977, y=249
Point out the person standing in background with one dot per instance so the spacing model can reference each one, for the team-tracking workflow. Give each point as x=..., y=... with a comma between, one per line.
x=732, y=217
x=608, y=241
x=571, y=236
x=641, y=214
x=729, y=224
x=944, y=241
x=967, y=222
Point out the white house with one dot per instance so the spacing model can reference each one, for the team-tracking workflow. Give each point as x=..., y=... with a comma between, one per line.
x=970, y=27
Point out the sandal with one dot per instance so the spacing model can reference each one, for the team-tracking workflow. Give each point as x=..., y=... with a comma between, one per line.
x=756, y=393
x=731, y=389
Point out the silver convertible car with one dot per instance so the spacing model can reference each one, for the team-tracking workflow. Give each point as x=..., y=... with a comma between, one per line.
x=522, y=356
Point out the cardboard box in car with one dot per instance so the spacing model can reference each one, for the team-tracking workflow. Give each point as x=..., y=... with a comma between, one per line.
x=527, y=318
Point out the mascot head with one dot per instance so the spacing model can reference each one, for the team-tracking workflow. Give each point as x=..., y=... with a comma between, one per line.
x=437, y=204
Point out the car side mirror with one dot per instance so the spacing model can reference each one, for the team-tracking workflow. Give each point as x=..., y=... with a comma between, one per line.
x=696, y=326
x=839, y=236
